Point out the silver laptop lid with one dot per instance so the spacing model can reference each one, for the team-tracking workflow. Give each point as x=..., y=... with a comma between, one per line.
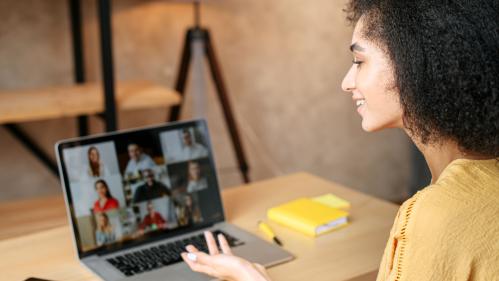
x=132, y=187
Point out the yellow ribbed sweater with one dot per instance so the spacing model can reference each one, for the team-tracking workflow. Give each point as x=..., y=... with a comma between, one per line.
x=450, y=229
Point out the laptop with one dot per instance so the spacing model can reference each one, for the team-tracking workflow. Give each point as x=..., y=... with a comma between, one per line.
x=136, y=198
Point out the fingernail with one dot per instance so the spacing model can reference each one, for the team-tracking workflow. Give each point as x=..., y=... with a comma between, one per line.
x=192, y=256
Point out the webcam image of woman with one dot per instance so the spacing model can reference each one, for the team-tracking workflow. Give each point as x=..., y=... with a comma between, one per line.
x=105, y=232
x=96, y=167
x=106, y=201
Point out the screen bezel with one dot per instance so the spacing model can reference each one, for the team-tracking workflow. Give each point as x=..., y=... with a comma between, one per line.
x=150, y=237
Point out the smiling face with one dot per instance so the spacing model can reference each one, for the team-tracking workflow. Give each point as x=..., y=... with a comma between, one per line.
x=93, y=155
x=102, y=220
x=370, y=80
x=194, y=171
x=187, y=138
x=134, y=152
x=101, y=189
x=150, y=209
x=149, y=176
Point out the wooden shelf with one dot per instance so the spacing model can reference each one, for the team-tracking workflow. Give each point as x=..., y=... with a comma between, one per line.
x=84, y=99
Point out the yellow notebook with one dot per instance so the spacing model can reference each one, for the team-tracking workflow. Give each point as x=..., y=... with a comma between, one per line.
x=308, y=216
x=333, y=201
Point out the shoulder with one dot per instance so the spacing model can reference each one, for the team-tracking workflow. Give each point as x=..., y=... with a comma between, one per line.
x=463, y=199
x=129, y=165
x=199, y=147
x=141, y=188
x=146, y=157
x=432, y=212
x=113, y=202
x=442, y=218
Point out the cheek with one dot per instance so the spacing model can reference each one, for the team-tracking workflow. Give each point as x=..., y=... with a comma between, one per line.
x=382, y=114
x=382, y=108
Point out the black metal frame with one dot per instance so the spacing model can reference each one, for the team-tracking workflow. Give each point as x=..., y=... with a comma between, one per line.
x=199, y=34
x=107, y=64
x=78, y=56
x=104, y=11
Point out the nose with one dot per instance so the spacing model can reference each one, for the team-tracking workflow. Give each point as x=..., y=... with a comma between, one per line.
x=348, y=83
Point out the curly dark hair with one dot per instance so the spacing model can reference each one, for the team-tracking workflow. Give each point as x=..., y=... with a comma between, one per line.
x=445, y=56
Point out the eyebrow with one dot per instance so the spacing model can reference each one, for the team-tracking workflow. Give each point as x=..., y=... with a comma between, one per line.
x=356, y=47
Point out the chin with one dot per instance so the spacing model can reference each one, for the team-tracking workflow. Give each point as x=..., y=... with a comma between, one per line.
x=367, y=127
x=374, y=127
x=371, y=126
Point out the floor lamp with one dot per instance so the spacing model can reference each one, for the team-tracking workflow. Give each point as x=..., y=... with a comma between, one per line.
x=199, y=35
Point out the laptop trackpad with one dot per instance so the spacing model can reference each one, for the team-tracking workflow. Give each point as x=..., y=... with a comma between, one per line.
x=263, y=253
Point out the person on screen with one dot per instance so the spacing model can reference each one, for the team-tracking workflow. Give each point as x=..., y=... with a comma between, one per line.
x=192, y=149
x=96, y=167
x=139, y=161
x=153, y=220
x=106, y=201
x=105, y=232
x=150, y=189
x=196, y=182
x=187, y=212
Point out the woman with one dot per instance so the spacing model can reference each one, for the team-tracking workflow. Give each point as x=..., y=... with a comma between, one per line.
x=430, y=68
x=96, y=168
x=106, y=201
x=104, y=233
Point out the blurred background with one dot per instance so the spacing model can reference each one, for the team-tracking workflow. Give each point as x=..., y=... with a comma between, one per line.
x=282, y=61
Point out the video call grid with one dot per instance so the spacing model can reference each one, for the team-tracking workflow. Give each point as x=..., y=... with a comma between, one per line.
x=153, y=191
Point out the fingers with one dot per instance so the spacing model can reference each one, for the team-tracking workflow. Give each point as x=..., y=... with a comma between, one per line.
x=224, y=245
x=212, y=244
x=191, y=249
x=196, y=265
x=221, y=266
x=196, y=256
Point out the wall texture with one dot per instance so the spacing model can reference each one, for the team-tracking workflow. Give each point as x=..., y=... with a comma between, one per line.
x=283, y=62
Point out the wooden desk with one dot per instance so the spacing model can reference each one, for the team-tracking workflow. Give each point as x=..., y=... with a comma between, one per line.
x=347, y=253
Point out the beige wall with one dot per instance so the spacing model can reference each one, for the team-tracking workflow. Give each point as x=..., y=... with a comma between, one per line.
x=283, y=62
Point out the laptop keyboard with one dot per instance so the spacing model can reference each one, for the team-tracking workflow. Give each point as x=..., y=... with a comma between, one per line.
x=164, y=254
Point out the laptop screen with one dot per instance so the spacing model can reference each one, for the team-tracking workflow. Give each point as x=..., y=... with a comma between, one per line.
x=131, y=187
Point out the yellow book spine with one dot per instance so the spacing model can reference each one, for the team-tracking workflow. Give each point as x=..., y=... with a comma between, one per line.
x=291, y=222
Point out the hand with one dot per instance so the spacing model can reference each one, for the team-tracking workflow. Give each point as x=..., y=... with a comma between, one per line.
x=225, y=265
